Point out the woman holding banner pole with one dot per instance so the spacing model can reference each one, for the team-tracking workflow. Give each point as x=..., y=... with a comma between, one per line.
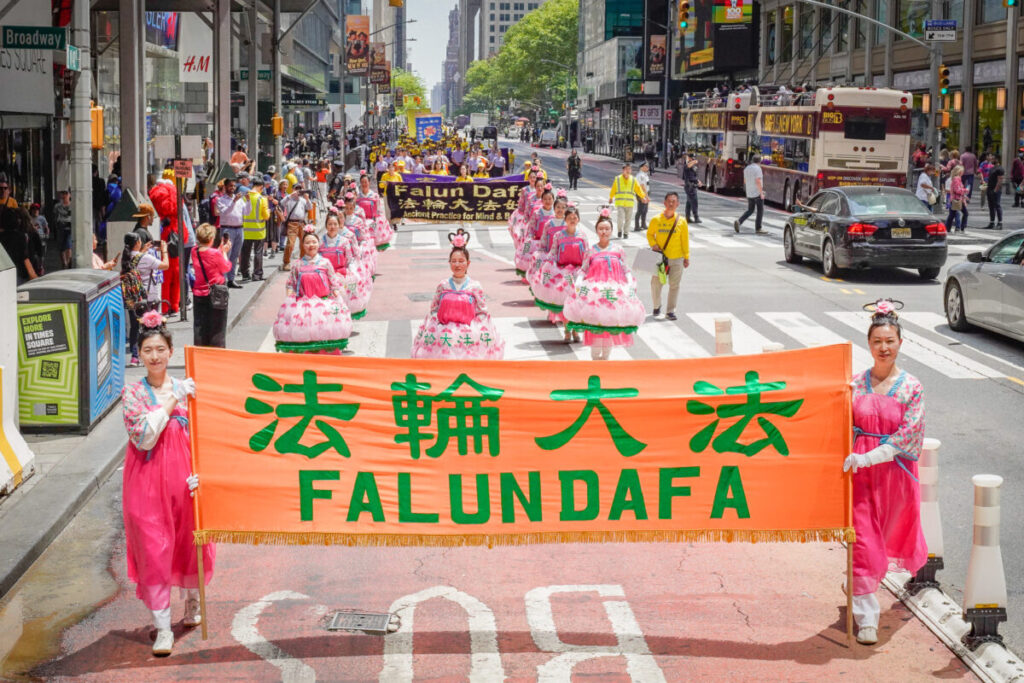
x=888, y=426
x=158, y=485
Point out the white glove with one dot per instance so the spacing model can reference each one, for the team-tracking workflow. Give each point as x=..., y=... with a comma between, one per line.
x=184, y=389
x=193, y=483
x=876, y=456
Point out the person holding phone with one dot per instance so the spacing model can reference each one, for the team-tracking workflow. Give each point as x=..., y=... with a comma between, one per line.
x=210, y=328
x=231, y=209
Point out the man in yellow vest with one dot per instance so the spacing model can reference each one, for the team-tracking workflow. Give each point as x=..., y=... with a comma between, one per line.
x=254, y=227
x=625, y=190
x=669, y=235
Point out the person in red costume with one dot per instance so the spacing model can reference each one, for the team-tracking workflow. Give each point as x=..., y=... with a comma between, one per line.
x=164, y=196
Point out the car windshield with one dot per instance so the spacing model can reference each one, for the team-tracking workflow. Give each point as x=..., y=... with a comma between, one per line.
x=881, y=203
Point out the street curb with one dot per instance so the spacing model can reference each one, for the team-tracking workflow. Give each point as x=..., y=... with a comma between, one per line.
x=62, y=492
x=944, y=618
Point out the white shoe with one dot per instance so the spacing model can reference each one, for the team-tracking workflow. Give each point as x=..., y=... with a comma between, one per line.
x=867, y=635
x=164, y=642
x=193, y=616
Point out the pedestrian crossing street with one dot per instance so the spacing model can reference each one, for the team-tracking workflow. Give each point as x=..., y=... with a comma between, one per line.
x=926, y=348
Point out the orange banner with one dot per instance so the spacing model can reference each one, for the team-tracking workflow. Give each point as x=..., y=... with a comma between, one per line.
x=375, y=451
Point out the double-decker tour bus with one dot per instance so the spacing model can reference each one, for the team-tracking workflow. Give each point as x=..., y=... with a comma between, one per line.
x=714, y=130
x=829, y=137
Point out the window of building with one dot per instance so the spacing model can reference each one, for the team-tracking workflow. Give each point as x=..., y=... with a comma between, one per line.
x=954, y=9
x=860, y=34
x=806, y=32
x=842, y=30
x=911, y=15
x=991, y=10
x=787, y=34
x=492, y=16
x=517, y=17
x=769, y=54
x=623, y=18
x=491, y=40
x=825, y=32
x=882, y=15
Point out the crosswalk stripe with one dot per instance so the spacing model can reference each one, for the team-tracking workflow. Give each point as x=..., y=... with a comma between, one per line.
x=424, y=239
x=809, y=333
x=718, y=240
x=499, y=237
x=267, y=345
x=521, y=343
x=745, y=339
x=669, y=341
x=369, y=338
x=936, y=356
x=933, y=321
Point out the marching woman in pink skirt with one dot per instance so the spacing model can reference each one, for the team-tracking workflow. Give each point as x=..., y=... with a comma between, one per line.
x=543, y=243
x=535, y=231
x=373, y=210
x=555, y=276
x=158, y=485
x=603, y=303
x=521, y=230
x=519, y=216
x=313, y=317
x=339, y=245
x=458, y=325
x=353, y=219
x=888, y=426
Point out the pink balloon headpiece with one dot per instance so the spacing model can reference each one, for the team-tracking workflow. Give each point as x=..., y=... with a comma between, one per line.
x=152, y=320
x=460, y=238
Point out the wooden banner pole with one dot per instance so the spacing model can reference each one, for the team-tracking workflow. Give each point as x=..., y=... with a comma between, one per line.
x=195, y=499
x=849, y=594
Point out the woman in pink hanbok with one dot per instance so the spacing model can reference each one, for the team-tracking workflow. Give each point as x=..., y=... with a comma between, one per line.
x=353, y=219
x=603, y=303
x=313, y=317
x=521, y=230
x=339, y=246
x=526, y=196
x=158, y=485
x=554, y=279
x=534, y=232
x=458, y=325
x=373, y=210
x=542, y=245
x=888, y=426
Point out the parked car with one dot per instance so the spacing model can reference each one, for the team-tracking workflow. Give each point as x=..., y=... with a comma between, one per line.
x=988, y=289
x=548, y=138
x=866, y=226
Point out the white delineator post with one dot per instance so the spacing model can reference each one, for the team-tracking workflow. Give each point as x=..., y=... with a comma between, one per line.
x=931, y=520
x=723, y=335
x=985, y=590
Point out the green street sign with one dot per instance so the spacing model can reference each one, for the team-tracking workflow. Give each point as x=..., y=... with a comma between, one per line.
x=553, y=112
x=74, y=59
x=33, y=37
x=261, y=75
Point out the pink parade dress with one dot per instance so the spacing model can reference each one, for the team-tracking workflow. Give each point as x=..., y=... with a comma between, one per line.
x=366, y=249
x=520, y=213
x=887, y=496
x=458, y=325
x=158, y=511
x=554, y=278
x=521, y=232
x=355, y=281
x=373, y=210
x=603, y=302
x=532, y=241
x=542, y=246
x=313, y=317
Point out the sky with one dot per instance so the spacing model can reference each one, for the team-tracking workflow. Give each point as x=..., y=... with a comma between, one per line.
x=431, y=34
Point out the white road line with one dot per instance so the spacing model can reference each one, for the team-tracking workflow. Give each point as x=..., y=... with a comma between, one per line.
x=491, y=254
x=669, y=341
x=499, y=237
x=243, y=629
x=370, y=338
x=267, y=345
x=426, y=239
x=719, y=240
x=745, y=339
x=809, y=333
x=521, y=341
x=936, y=356
x=932, y=321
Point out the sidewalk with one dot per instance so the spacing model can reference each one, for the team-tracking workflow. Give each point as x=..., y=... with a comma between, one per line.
x=71, y=467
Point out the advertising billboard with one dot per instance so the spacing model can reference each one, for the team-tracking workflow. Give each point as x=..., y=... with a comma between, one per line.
x=656, y=56
x=357, y=44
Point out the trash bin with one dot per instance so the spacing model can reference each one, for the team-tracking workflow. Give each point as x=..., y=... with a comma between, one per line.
x=71, y=332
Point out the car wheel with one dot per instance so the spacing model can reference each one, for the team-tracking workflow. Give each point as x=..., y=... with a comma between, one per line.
x=789, y=247
x=796, y=196
x=928, y=273
x=956, y=311
x=786, y=204
x=828, y=260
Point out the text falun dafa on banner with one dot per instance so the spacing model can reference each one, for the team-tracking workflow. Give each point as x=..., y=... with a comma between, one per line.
x=381, y=451
x=485, y=202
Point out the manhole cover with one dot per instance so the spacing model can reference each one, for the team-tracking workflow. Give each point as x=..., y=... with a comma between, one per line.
x=417, y=297
x=368, y=622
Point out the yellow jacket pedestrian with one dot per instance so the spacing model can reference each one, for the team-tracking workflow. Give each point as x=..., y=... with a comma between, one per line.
x=676, y=246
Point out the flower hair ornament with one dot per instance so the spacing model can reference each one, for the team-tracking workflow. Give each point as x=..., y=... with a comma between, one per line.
x=309, y=229
x=459, y=238
x=152, y=320
x=605, y=213
x=884, y=307
x=547, y=186
x=561, y=194
x=350, y=197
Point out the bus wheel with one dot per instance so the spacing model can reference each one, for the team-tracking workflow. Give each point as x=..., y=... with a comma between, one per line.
x=786, y=204
x=828, y=260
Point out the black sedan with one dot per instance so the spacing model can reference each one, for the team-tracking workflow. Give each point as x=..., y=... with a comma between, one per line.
x=866, y=227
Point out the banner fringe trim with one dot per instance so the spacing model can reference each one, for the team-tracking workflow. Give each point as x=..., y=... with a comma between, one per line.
x=832, y=535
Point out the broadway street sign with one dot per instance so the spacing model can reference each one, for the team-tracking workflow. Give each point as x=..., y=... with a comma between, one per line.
x=33, y=37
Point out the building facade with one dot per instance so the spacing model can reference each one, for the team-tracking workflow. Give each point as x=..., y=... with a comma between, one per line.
x=451, y=76
x=800, y=43
x=482, y=28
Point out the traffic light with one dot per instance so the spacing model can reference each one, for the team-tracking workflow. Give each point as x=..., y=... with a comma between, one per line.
x=944, y=77
x=277, y=125
x=96, y=126
x=1009, y=3
x=684, y=15
x=942, y=119
x=395, y=3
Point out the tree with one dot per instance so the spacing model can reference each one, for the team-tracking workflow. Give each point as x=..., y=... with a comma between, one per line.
x=517, y=72
x=411, y=85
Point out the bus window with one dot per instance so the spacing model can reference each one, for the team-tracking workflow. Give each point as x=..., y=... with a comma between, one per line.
x=864, y=128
